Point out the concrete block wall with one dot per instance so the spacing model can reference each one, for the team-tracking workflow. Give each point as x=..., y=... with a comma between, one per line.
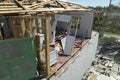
x=86, y=23
x=81, y=64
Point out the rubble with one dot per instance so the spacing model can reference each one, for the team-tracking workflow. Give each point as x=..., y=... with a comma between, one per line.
x=111, y=48
x=103, y=68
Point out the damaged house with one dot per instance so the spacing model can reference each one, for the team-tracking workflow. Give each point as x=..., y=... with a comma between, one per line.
x=45, y=40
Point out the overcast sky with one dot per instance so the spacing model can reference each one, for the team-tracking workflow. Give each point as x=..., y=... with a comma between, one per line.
x=95, y=2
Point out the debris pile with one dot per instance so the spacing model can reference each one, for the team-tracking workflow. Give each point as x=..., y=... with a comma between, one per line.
x=111, y=48
x=103, y=68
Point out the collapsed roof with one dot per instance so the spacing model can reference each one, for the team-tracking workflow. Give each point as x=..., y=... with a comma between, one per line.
x=22, y=7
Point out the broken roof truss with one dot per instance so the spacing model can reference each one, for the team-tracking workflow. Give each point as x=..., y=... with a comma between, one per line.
x=22, y=7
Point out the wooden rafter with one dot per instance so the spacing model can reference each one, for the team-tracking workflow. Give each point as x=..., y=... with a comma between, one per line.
x=61, y=4
x=20, y=5
x=11, y=8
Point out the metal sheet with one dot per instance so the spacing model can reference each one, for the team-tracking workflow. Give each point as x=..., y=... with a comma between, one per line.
x=17, y=59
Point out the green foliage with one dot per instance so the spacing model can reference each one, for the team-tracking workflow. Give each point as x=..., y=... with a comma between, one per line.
x=74, y=22
x=109, y=23
x=108, y=39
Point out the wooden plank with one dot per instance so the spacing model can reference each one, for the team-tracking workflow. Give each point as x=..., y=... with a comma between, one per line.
x=76, y=4
x=18, y=27
x=26, y=3
x=19, y=4
x=6, y=4
x=43, y=10
x=47, y=46
x=40, y=5
x=29, y=26
x=1, y=37
x=27, y=17
x=72, y=3
x=61, y=4
x=11, y=9
x=36, y=4
x=2, y=7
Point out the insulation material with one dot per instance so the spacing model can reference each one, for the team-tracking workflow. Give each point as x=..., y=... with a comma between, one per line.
x=18, y=61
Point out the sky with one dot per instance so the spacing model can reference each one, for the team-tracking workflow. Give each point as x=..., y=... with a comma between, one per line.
x=95, y=3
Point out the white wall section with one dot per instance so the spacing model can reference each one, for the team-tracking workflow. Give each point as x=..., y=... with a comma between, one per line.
x=77, y=69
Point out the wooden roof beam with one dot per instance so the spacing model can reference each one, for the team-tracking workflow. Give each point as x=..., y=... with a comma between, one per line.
x=42, y=10
x=10, y=9
x=20, y=5
x=61, y=4
x=6, y=4
x=3, y=7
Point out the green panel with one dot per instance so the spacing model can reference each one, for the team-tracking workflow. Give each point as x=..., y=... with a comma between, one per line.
x=17, y=59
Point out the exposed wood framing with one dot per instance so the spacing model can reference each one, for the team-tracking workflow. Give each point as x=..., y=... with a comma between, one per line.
x=18, y=27
x=69, y=28
x=37, y=51
x=29, y=26
x=70, y=3
x=2, y=7
x=6, y=4
x=39, y=5
x=42, y=10
x=20, y=5
x=11, y=9
x=76, y=28
x=61, y=4
x=1, y=38
x=47, y=47
x=33, y=8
